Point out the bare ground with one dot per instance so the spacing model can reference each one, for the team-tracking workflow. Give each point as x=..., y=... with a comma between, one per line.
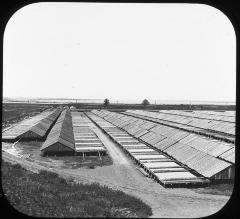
x=123, y=175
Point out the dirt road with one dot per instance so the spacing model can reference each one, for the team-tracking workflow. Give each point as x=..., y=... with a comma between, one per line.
x=123, y=175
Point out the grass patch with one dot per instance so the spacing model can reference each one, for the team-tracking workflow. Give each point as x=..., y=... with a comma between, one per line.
x=48, y=195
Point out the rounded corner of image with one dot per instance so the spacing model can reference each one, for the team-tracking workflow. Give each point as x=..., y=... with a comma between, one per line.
x=223, y=12
x=9, y=206
x=16, y=11
x=225, y=206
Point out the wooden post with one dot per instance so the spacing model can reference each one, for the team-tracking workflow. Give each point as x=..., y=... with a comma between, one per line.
x=99, y=155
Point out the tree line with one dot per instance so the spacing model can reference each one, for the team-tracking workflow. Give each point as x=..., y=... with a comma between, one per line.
x=106, y=102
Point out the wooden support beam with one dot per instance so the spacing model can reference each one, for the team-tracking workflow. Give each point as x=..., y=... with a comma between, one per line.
x=99, y=155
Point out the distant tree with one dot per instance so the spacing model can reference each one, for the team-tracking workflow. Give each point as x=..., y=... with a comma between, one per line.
x=106, y=102
x=145, y=102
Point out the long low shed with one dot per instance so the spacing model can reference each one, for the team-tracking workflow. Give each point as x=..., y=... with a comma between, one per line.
x=226, y=116
x=157, y=165
x=222, y=127
x=211, y=158
x=60, y=139
x=36, y=127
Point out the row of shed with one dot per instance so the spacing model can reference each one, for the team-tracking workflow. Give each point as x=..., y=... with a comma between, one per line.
x=64, y=132
x=155, y=164
x=36, y=127
x=224, y=130
x=225, y=116
x=211, y=158
x=211, y=121
x=72, y=135
x=60, y=140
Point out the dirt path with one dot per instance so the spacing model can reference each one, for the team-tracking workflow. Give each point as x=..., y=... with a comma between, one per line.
x=123, y=175
x=165, y=202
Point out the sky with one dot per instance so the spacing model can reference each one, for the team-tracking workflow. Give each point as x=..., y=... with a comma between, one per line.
x=120, y=51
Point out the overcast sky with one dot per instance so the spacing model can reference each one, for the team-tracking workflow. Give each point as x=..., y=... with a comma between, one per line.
x=120, y=51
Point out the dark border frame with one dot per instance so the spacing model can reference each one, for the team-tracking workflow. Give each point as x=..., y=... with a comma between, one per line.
x=229, y=7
